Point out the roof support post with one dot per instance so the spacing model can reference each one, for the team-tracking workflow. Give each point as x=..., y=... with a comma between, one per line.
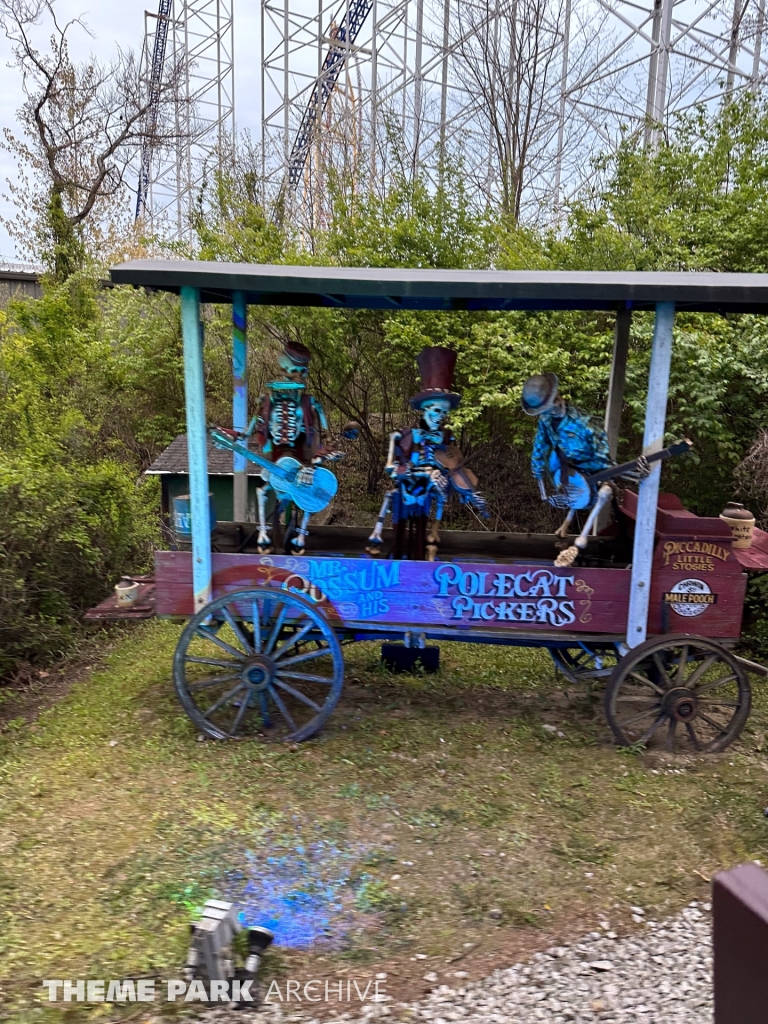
x=239, y=405
x=197, y=445
x=618, y=379
x=648, y=494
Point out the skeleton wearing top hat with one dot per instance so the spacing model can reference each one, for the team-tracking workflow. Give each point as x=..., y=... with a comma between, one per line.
x=425, y=465
x=568, y=439
x=292, y=422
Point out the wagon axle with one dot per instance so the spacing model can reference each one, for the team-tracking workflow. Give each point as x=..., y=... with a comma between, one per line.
x=258, y=673
x=681, y=704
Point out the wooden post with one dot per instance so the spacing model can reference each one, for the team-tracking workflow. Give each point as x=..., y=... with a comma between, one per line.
x=239, y=405
x=197, y=445
x=740, y=913
x=648, y=492
x=618, y=379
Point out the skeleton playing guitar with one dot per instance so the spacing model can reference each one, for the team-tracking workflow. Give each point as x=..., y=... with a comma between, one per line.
x=282, y=475
x=578, y=490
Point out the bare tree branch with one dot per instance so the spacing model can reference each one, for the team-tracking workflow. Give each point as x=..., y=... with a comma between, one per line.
x=84, y=126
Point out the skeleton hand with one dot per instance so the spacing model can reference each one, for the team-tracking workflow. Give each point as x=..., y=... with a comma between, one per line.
x=642, y=471
x=229, y=435
x=565, y=499
x=306, y=475
x=478, y=502
x=558, y=500
x=438, y=480
x=333, y=456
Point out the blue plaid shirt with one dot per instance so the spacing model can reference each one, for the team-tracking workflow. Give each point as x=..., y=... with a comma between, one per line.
x=579, y=437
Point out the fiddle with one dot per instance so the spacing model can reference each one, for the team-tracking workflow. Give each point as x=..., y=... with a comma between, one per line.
x=463, y=480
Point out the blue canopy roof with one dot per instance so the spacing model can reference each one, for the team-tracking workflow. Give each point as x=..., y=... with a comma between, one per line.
x=386, y=288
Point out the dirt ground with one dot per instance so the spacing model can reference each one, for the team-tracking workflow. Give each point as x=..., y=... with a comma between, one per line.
x=434, y=828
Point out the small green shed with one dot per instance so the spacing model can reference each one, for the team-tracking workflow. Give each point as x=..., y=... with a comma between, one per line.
x=172, y=466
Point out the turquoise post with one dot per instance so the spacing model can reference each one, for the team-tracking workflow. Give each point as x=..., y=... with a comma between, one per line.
x=239, y=404
x=648, y=492
x=197, y=445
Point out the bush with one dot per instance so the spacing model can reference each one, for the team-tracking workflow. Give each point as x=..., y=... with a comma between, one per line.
x=85, y=402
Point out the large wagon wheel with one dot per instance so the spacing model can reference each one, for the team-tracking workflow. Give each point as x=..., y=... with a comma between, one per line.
x=680, y=693
x=585, y=662
x=259, y=662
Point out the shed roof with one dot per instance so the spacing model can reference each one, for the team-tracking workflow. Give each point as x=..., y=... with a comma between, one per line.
x=386, y=288
x=175, y=460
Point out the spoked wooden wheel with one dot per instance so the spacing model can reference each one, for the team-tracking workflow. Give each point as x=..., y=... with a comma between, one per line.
x=585, y=662
x=681, y=693
x=259, y=662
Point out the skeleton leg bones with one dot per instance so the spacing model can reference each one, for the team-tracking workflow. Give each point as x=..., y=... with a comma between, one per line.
x=433, y=537
x=264, y=541
x=300, y=539
x=569, y=556
x=562, y=530
x=373, y=547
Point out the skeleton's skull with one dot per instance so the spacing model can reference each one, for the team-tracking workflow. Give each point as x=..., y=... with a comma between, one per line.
x=297, y=372
x=435, y=412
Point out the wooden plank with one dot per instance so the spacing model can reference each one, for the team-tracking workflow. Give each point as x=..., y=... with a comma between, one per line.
x=142, y=608
x=709, y=604
x=756, y=557
x=740, y=912
x=417, y=594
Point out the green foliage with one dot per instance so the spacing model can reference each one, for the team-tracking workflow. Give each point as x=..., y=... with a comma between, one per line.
x=699, y=202
x=90, y=391
x=66, y=532
x=755, y=628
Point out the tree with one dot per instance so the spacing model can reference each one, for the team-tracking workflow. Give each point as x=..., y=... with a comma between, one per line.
x=84, y=125
x=513, y=57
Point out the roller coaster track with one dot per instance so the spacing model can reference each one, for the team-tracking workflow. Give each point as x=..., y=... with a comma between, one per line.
x=155, y=85
x=333, y=65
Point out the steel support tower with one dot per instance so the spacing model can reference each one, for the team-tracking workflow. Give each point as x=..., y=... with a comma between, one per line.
x=200, y=43
x=347, y=83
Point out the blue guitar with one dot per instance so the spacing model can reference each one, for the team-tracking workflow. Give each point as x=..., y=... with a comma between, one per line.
x=282, y=475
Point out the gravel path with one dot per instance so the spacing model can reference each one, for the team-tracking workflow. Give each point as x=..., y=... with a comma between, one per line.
x=661, y=974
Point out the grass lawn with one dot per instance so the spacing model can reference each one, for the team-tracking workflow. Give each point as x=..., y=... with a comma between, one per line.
x=381, y=846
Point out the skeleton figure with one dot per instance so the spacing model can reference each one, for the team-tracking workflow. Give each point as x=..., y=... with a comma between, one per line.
x=568, y=439
x=420, y=464
x=290, y=422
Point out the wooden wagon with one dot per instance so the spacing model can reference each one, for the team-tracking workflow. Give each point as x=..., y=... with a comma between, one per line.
x=654, y=609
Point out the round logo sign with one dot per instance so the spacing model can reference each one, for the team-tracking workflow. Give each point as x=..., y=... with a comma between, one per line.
x=690, y=597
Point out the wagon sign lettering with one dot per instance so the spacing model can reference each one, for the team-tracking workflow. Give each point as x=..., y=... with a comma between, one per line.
x=365, y=584
x=693, y=555
x=540, y=593
x=690, y=597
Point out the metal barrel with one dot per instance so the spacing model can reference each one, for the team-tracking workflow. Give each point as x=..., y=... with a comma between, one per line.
x=182, y=516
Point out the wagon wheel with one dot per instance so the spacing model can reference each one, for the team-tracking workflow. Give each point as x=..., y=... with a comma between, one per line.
x=584, y=662
x=680, y=693
x=259, y=662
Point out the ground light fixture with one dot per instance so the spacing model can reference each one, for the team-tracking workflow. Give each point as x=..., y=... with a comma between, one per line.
x=212, y=955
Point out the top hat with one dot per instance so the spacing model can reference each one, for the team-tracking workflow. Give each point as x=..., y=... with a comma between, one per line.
x=539, y=393
x=297, y=353
x=436, y=365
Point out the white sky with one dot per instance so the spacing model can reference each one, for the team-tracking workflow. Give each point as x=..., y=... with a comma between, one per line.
x=123, y=25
